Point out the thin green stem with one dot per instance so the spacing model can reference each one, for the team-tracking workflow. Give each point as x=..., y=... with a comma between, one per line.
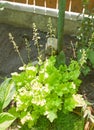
x=16, y=47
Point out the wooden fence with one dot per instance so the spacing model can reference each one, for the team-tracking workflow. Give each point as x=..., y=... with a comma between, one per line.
x=71, y=5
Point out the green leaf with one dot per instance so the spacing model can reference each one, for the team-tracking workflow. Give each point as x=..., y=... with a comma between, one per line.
x=69, y=104
x=6, y=120
x=13, y=112
x=85, y=70
x=51, y=115
x=91, y=56
x=7, y=90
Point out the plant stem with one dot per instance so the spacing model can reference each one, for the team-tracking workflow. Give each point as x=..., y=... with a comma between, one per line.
x=16, y=47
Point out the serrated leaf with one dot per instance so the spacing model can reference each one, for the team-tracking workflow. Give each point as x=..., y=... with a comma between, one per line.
x=69, y=104
x=6, y=120
x=51, y=115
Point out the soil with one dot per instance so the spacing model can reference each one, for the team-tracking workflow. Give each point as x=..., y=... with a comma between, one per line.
x=9, y=59
x=10, y=62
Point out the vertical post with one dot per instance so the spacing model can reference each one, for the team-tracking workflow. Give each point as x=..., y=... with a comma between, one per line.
x=45, y=6
x=26, y=1
x=57, y=4
x=61, y=19
x=34, y=3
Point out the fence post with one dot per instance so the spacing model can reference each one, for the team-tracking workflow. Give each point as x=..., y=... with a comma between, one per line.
x=61, y=19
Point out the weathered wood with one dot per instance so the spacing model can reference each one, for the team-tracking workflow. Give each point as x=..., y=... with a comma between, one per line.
x=39, y=2
x=51, y=3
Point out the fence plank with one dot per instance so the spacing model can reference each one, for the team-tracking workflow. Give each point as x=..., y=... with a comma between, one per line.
x=40, y=2
x=51, y=3
x=67, y=4
x=30, y=2
x=76, y=6
x=91, y=5
x=20, y=1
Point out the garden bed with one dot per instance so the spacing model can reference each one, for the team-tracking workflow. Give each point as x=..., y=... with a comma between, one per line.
x=10, y=62
x=21, y=31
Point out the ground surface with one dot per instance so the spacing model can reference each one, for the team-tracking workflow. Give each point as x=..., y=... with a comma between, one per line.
x=9, y=60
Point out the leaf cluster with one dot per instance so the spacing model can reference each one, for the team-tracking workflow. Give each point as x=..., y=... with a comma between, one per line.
x=85, y=43
x=44, y=90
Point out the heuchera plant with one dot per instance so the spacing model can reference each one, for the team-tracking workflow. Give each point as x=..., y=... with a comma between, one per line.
x=85, y=43
x=44, y=89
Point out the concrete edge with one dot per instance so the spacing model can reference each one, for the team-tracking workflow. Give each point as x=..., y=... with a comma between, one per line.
x=40, y=10
x=23, y=15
